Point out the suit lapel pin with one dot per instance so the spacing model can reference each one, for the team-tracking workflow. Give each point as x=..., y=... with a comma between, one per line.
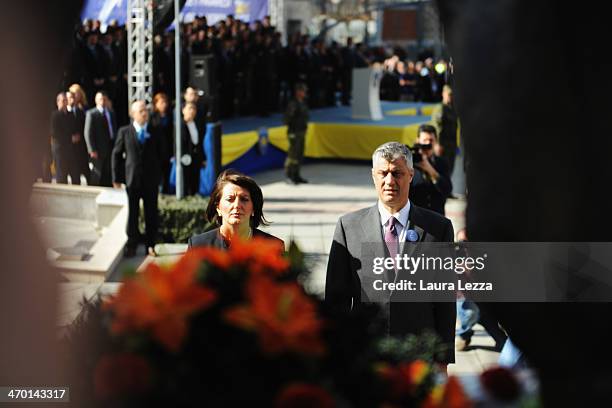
x=412, y=235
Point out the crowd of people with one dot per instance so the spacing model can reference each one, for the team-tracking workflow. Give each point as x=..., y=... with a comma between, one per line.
x=255, y=74
x=83, y=139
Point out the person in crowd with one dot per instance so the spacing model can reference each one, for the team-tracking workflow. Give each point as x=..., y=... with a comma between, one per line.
x=431, y=88
x=80, y=163
x=226, y=62
x=348, y=63
x=80, y=98
x=392, y=224
x=62, y=128
x=431, y=185
x=100, y=130
x=162, y=119
x=407, y=81
x=192, y=95
x=468, y=314
x=296, y=119
x=389, y=83
x=256, y=75
x=236, y=207
x=136, y=161
x=192, y=149
x=446, y=121
x=95, y=66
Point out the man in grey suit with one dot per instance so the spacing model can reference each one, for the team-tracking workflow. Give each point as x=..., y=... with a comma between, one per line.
x=100, y=130
x=393, y=226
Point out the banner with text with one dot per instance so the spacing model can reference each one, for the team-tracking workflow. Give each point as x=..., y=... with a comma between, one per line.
x=214, y=10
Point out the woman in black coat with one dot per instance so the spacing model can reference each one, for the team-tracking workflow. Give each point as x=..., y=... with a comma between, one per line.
x=236, y=206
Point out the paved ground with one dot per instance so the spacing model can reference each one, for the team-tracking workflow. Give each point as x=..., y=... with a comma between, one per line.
x=308, y=214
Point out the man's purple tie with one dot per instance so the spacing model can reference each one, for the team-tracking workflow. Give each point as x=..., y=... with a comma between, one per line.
x=391, y=238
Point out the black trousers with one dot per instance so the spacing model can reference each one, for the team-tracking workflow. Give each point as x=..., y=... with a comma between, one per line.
x=62, y=157
x=101, y=173
x=80, y=164
x=191, y=177
x=149, y=199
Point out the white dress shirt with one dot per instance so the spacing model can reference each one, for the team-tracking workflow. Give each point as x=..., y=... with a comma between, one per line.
x=193, y=132
x=402, y=227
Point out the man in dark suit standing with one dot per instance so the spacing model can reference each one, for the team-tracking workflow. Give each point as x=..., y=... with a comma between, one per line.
x=142, y=146
x=391, y=227
x=80, y=164
x=61, y=139
x=100, y=129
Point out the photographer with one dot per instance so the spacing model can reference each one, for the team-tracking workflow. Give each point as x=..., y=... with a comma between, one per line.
x=431, y=184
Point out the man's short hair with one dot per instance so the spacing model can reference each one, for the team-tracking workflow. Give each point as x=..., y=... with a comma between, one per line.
x=427, y=129
x=392, y=151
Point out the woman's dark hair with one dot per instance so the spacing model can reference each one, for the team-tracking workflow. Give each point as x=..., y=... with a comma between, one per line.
x=232, y=176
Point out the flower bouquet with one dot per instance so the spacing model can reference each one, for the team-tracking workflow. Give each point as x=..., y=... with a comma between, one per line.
x=235, y=328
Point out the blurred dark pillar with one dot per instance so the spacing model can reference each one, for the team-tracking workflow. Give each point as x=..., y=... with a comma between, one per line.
x=33, y=38
x=533, y=89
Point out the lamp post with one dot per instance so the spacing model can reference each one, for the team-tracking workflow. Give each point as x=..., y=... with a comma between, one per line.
x=177, y=104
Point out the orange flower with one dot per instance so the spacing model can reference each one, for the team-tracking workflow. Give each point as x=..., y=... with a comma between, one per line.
x=260, y=255
x=405, y=378
x=120, y=374
x=451, y=395
x=161, y=301
x=194, y=257
x=300, y=395
x=284, y=318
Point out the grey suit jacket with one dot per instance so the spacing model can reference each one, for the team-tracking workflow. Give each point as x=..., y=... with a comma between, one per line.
x=349, y=282
x=97, y=136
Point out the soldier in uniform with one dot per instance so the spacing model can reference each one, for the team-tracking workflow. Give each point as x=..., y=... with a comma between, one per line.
x=445, y=119
x=296, y=119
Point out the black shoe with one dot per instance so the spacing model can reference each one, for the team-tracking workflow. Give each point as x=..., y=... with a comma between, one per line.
x=461, y=344
x=129, y=252
x=290, y=181
x=300, y=180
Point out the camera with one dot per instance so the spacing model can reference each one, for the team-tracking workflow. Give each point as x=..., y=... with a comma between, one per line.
x=416, y=154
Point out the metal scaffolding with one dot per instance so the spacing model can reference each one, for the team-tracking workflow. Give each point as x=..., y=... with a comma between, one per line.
x=278, y=17
x=140, y=51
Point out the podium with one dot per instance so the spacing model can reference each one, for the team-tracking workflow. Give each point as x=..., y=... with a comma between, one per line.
x=366, y=93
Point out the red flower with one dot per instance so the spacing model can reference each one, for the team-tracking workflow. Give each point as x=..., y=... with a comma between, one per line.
x=450, y=395
x=284, y=318
x=300, y=395
x=161, y=301
x=121, y=374
x=501, y=383
x=405, y=378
